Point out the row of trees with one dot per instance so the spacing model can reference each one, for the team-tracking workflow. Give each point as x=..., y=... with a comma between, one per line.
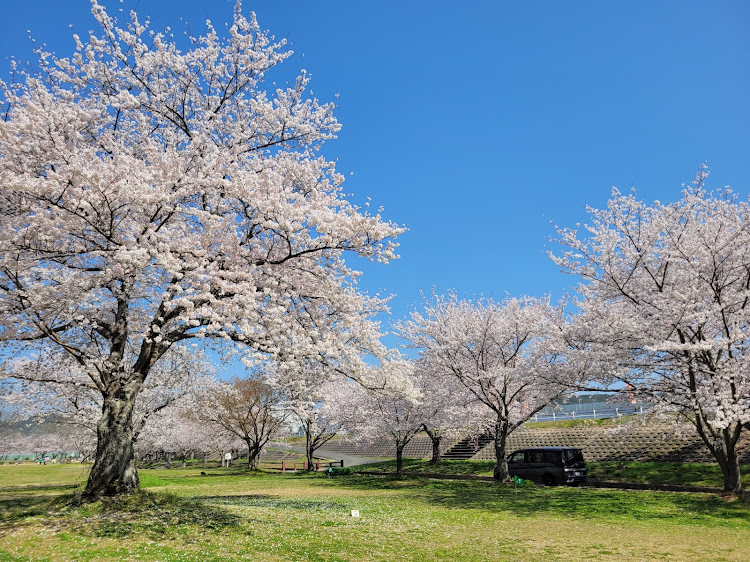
x=208, y=419
x=484, y=366
x=214, y=417
x=154, y=199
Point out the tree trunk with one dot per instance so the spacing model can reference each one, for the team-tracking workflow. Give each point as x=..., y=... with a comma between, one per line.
x=436, y=455
x=725, y=453
x=723, y=447
x=309, y=450
x=732, y=474
x=399, y=459
x=436, y=439
x=114, y=470
x=500, y=472
x=253, y=452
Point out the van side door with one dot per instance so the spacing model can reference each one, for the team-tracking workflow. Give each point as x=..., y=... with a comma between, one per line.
x=535, y=465
x=517, y=464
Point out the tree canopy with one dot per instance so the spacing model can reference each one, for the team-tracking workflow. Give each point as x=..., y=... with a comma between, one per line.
x=665, y=308
x=153, y=196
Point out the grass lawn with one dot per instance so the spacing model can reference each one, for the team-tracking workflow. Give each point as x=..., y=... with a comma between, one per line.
x=683, y=474
x=182, y=515
x=421, y=466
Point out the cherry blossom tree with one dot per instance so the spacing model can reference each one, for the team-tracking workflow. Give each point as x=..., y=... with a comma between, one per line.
x=174, y=432
x=7, y=412
x=507, y=354
x=54, y=389
x=250, y=409
x=153, y=195
x=322, y=400
x=393, y=407
x=44, y=441
x=182, y=430
x=7, y=442
x=447, y=407
x=665, y=308
x=35, y=403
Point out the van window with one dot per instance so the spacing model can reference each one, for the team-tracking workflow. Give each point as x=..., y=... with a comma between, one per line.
x=516, y=457
x=553, y=458
x=534, y=456
x=572, y=456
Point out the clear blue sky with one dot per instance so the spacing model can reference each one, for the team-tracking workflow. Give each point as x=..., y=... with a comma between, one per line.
x=475, y=124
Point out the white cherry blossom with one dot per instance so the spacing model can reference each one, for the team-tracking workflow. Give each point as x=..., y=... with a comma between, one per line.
x=153, y=195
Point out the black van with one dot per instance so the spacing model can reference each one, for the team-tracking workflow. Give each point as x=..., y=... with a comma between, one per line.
x=549, y=465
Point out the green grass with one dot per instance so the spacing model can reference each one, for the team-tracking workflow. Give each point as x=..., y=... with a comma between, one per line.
x=683, y=474
x=232, y=515
x=421, y=466
x=601, y=422
x=33, y=474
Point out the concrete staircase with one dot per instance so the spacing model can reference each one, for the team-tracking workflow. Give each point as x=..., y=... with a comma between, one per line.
x=468, y=447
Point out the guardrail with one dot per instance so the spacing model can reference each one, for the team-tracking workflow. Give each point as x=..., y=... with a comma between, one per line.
x=594, y=413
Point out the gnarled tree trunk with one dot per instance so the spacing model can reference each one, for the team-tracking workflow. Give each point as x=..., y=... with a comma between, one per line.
x=436, y=439
x=114, y=470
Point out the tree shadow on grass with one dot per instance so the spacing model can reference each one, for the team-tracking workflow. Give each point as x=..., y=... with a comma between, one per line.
x=447, y=466
x=19, y=507
x=278, y=502
x=37, y=488
x=687, y=474
x=579, y=503
x=143, y=514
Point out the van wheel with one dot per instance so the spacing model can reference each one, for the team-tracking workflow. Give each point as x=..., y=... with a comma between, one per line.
x=548, y=480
